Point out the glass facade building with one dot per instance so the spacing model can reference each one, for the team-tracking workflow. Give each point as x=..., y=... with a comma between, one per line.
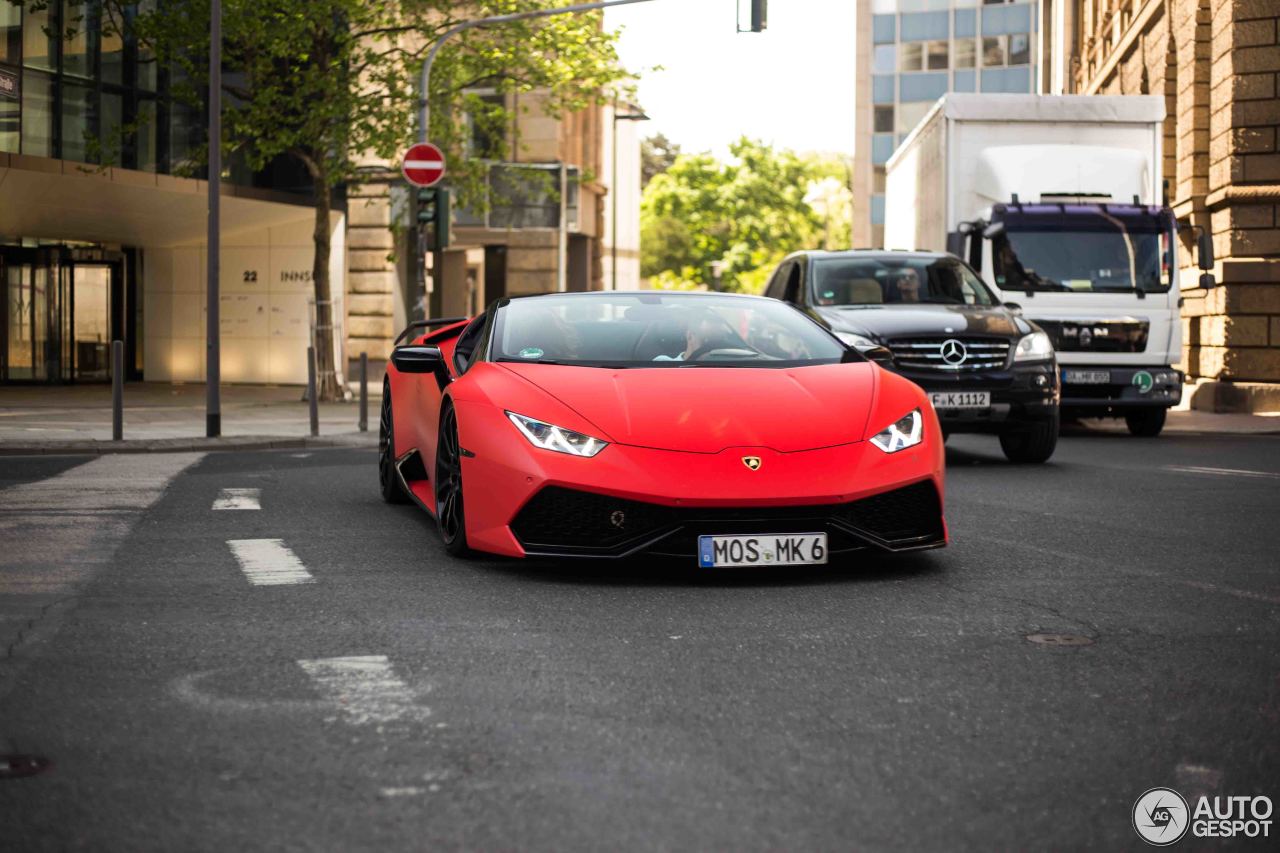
x=921, y=49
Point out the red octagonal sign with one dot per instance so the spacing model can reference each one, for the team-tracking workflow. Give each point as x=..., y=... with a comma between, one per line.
x=424, y=165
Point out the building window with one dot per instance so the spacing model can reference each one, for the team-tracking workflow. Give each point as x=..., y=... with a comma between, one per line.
x=877, y=210
x=79, y=121
x=10, y=33
x=993, y=51
x=938, y=55
x=965, y=54
x=884, y=29
x=882, y=89
x=877, y=180
x=909, y=115
x=912, y=56
x=922, y=87
x=37, y=115
x=923, y=26
x=884, y=59
x=39, y=48
x=79, y=48
x=1020, y=49
x=883, y=120
x=881, y=148
x=10, y=116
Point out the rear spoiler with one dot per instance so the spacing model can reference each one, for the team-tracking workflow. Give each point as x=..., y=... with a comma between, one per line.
x=428, y=324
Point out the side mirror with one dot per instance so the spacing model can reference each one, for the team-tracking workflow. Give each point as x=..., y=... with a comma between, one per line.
x=1205, y=245
x=417, y=359
x=1014, y=307
x=882, y=356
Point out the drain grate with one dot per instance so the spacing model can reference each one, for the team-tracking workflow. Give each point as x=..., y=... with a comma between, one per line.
x=18, y=766
x=1060, y=639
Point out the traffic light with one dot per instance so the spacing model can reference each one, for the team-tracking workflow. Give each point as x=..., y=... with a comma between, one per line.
x=433, y=218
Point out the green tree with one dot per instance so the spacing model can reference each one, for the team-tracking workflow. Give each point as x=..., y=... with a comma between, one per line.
x=725, y=225
x=657, y=154
x=331, y=82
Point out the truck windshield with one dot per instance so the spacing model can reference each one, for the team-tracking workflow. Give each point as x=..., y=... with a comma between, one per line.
x=1086, y=249
x=879, y=279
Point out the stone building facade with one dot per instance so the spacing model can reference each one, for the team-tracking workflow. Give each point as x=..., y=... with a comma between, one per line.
x=1217, y=63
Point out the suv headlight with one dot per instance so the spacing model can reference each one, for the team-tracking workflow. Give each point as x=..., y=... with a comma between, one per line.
x=1034, y=347
x=907, y=431
x=551, y=437
x=858, y=342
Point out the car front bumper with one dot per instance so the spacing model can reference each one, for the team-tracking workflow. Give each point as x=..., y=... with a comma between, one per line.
x=525, y=501
x=1022, y=395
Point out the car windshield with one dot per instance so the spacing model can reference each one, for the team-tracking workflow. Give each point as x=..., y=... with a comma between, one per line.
x=1084, y=250
x=660, y=330
x=880, y=280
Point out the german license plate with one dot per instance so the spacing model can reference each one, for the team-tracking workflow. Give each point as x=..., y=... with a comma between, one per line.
x=764, y=549
x=961, y=399
x=1086, y=377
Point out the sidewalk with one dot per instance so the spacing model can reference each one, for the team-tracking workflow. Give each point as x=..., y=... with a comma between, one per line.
x=1194, y=422
x=158, y=416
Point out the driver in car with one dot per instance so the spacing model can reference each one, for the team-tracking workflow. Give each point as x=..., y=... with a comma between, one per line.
x=705, y=330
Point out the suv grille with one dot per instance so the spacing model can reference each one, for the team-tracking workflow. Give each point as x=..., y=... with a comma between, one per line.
x=955, y=354
x=567, y=521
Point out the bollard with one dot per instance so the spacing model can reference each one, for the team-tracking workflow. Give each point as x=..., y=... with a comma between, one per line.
x=311, y=391
x=117, y=390
x=364, y=392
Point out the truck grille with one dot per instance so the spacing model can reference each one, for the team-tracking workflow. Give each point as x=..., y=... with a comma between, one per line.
x=954, y=354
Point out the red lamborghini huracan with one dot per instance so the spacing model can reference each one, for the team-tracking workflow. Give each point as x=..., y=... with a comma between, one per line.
x=732, y=430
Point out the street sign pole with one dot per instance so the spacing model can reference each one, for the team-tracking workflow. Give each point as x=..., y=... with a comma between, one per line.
x=213, y=354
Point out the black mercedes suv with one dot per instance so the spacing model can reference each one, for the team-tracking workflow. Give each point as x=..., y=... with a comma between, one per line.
x=929, y=317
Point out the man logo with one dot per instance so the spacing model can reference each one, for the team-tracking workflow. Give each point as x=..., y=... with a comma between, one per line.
x=752, y=462
x=1161, y=817
x=953, y=352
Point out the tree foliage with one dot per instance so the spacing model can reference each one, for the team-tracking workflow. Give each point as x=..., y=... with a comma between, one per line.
x=657, y=154
x=725, y=225
x=334, y=83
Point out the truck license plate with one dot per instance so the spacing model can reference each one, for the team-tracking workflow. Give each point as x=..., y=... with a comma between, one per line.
x=764, y=549
x=1086, y=377
x=961, y=399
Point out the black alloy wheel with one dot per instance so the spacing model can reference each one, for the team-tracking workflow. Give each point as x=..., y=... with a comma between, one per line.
x=450, y=512
x=388, y=480
x=1032, y=444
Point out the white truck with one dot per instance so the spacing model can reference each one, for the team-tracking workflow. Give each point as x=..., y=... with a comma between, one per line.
x=1057, y=201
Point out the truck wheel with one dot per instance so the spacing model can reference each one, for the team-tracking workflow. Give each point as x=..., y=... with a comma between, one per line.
x=1146, y=423
x=1032, y=444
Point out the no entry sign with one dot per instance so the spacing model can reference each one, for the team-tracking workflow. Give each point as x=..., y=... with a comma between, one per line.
x=424, y=165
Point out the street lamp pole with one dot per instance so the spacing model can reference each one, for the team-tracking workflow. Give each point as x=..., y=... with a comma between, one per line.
x=213, y=349
x=613, y=189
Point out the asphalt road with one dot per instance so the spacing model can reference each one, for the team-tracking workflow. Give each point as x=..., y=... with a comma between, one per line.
x=388, y=697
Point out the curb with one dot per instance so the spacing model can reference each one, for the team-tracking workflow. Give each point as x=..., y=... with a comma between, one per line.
x=100, y=447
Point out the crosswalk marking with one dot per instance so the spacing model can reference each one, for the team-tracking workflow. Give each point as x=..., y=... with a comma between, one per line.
x=269, y=562
x=238, y=499
x=365, y=689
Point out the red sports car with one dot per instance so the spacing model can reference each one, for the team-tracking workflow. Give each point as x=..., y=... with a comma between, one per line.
x=732, y=430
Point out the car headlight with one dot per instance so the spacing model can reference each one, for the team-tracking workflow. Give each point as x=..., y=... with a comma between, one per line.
x=1034, y=347
x=858, y=342
x=551, y=437
x=907, y=431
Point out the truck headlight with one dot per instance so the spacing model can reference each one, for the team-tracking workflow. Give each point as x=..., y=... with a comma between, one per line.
x=551, y=437
x=907, y=431
x=859, y=342
x=1034, y=347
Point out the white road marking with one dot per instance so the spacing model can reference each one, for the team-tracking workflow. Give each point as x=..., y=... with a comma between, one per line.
x=365, y=689
x=410, y=791
x=299, y=455
x=1222, y=472
x=238, y=499
x=269, y=562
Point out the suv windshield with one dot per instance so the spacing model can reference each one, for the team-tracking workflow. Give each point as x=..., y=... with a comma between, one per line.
x=1083, y=249
x=877, y=280
x=660, y=330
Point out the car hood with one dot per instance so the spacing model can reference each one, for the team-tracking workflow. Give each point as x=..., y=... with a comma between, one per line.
x=708, y=409
x=896, y=321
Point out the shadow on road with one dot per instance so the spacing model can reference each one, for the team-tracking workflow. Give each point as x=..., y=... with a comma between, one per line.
x=661, y=571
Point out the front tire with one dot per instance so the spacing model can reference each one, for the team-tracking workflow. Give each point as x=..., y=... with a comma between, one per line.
x=1146, y=423
x=1031, y=445
x=388, y=479
x=451, y=515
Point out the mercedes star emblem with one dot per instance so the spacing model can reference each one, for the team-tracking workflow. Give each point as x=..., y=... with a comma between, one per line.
x=953, y=352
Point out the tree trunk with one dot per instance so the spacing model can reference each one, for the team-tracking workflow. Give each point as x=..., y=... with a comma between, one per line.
x=326, y=374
